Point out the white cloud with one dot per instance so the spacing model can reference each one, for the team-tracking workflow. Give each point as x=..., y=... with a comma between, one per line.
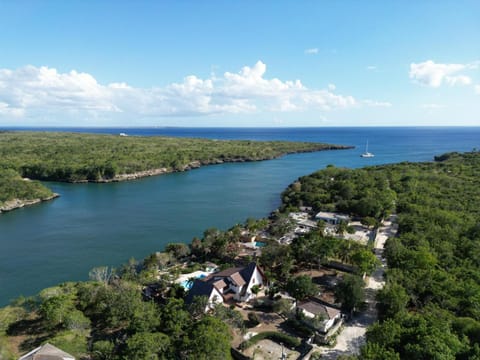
x=6, y=110
x=311, y=51
x=41, y=92
x=374, y=103
x=477, y=89
x=371, y=67
x=458, y=80
x=434, y=74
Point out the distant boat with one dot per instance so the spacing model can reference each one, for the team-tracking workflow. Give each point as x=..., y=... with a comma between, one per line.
x=367, y=154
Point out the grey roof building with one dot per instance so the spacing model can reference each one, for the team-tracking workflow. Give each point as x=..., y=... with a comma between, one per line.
x=47, y=352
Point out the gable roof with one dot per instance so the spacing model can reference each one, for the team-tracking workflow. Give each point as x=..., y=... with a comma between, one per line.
x=47, y=352
x=227, y=272
x=316, y=308
x=219, y=284
x=199, y=288
x=238, y=279
x=238, y=276
x=247, y=272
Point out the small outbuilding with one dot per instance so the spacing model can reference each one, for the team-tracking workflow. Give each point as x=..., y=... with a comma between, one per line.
x=47, y=352
x=332, y=218
x=314, y=309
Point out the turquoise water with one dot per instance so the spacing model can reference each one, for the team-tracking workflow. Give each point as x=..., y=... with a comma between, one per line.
x=187, y=285
x=260, y=244
x=106, y=224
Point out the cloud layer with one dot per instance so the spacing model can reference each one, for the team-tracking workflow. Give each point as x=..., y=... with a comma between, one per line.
x=433, y=74
x=41, y=91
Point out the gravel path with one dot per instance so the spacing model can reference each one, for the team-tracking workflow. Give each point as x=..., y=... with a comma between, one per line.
x=352, y=336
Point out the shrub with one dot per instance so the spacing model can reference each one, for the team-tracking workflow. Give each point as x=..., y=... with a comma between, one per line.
x=285, y=339
x=253, y=319
x=300, y=328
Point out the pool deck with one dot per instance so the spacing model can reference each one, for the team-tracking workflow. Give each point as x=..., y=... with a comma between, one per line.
x=195, y=274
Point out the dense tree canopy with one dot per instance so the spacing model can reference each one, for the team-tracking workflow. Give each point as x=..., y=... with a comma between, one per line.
x=429, y=308
x=74, y=157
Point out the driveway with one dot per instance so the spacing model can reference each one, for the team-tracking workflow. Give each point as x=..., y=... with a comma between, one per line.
x=352, y=337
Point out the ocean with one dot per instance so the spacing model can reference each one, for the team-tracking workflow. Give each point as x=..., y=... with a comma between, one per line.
x=107, y=224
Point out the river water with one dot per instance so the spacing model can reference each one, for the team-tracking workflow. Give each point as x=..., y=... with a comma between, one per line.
x=106, y=224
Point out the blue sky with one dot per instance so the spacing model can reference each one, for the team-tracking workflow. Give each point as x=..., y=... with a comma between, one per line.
x=239, y=63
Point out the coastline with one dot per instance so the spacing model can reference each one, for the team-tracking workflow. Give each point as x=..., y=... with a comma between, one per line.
x=199, y=163
x=14, y=204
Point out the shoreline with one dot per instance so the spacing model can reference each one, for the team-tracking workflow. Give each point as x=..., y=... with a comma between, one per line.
x=196, y=164
x=14, y=204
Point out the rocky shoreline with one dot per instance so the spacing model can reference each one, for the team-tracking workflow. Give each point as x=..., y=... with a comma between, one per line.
x=20, y=203
x=197, y=164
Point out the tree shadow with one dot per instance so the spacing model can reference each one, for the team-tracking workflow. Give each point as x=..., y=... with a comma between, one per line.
x=34, y=331
x=26, y=327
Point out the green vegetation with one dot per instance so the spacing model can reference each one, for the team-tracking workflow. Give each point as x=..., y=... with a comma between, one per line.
x=75, y=157
x=79, y=157
x=363, y=192
x=350, y=293
x=429, y=308
x=113, y=321
x=285, y=339
x=12, y=186
x=301, y=287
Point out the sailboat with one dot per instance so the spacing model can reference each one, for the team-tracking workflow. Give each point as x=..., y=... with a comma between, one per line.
x=367, y=154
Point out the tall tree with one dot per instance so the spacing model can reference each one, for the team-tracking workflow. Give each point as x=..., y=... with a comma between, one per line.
x=350, y=293
x=301, y=287
x=209, y=339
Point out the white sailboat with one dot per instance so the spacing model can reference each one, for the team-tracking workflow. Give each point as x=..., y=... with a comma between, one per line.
x=367, y=154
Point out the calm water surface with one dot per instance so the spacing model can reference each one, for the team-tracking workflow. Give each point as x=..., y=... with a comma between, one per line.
x=106, y=224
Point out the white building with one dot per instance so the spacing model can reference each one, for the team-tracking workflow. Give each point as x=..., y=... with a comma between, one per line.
x=332, y=218
x=233, y=283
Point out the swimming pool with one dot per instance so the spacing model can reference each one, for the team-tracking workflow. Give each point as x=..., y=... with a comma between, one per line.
x=187, y=284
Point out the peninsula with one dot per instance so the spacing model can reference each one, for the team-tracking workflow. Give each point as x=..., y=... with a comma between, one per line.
x=73, y=157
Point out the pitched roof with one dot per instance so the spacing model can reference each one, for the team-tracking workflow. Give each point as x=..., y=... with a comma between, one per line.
x=227, y=272
x=238, y=279
x=199, y=288
x=239, y=276
x=219, y=284
x=47, y=352
x=247, y=272
x=316, y=308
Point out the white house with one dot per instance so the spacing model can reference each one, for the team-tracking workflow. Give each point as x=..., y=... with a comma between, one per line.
x=47, y=352
x=233, y=283
x=332, y=218
x=314, y=309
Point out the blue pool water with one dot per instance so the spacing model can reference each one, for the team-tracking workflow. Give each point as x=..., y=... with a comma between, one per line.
x=187, y=285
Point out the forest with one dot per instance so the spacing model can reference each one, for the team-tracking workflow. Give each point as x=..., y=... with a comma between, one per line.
x=74, y=157
x=430, y=306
